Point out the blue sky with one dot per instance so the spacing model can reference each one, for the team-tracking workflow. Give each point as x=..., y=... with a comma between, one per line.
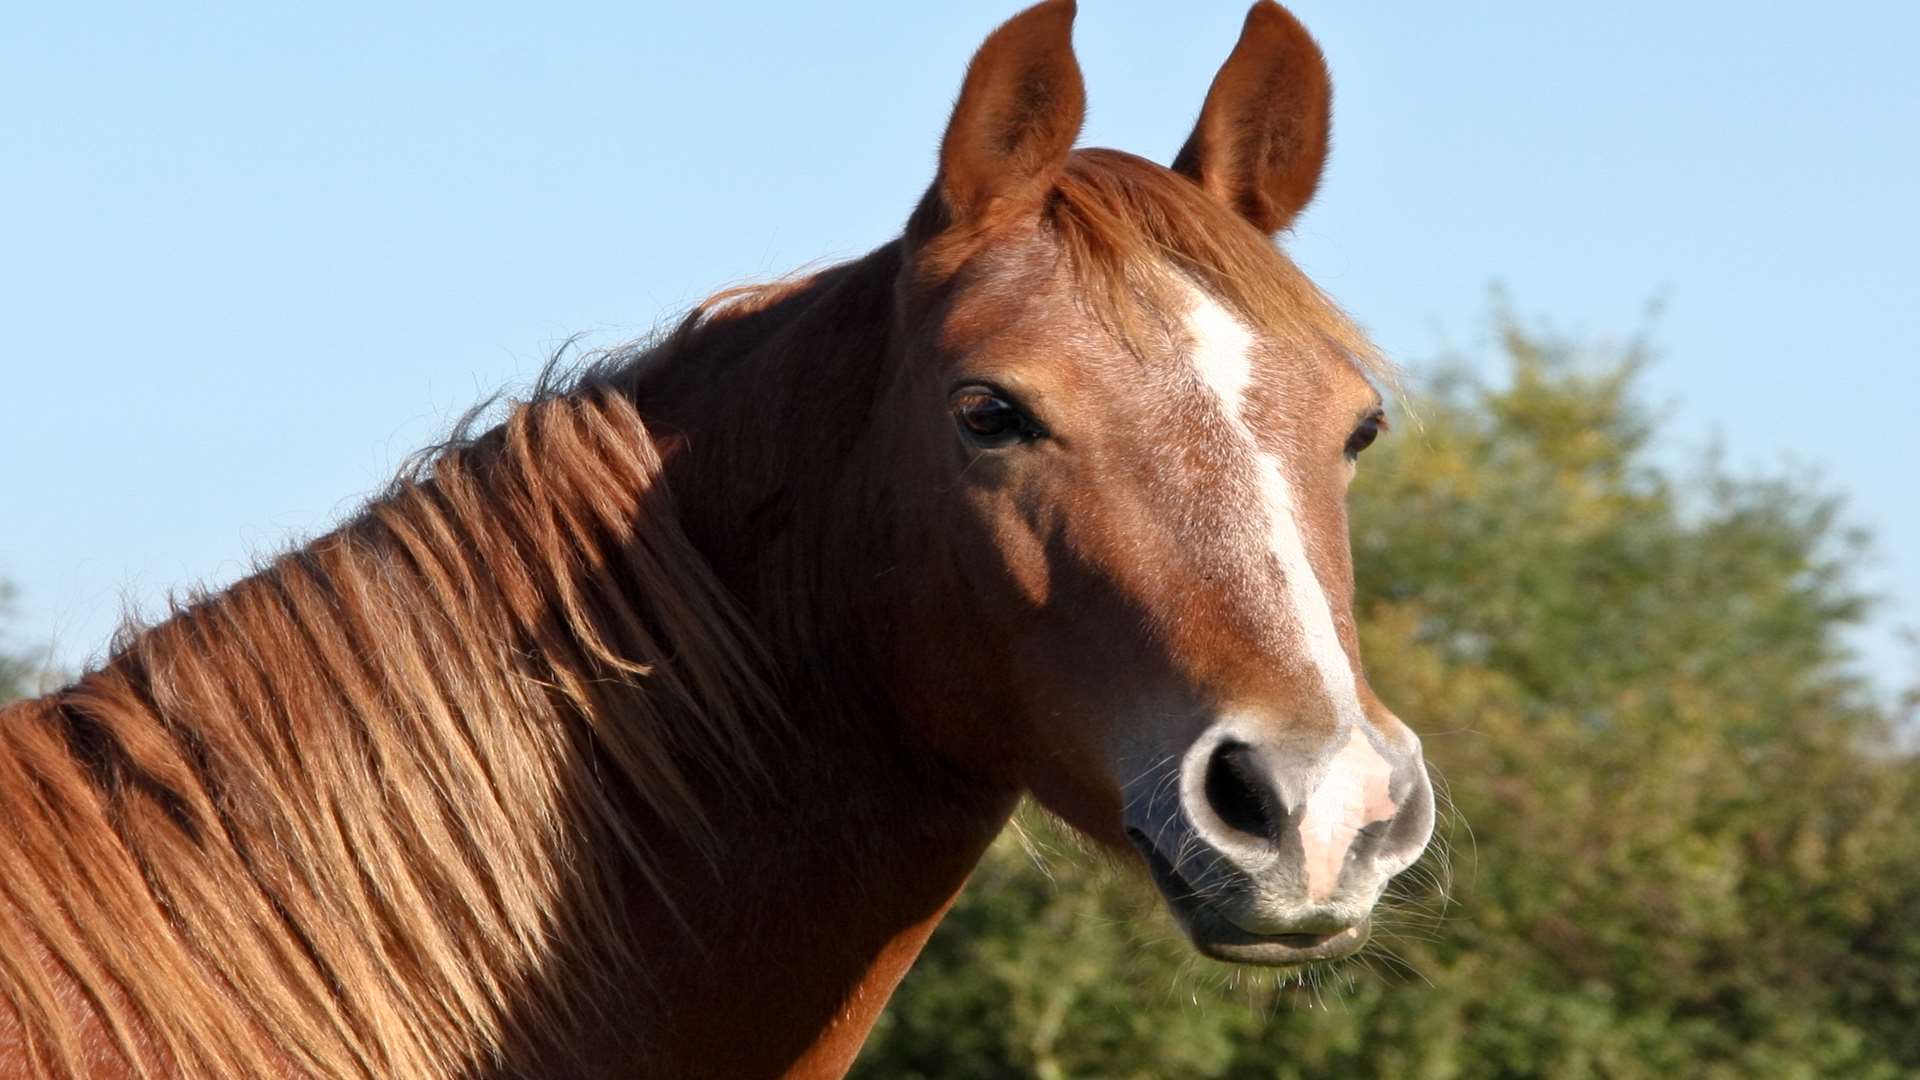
x=250, y=258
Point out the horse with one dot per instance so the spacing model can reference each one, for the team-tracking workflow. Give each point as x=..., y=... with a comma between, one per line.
x=652, y=730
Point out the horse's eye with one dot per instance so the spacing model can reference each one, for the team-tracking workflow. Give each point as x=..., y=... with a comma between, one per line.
x=987, y=419
x=1364, y=435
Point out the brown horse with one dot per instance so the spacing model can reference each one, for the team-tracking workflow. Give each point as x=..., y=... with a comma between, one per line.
x=652, y=731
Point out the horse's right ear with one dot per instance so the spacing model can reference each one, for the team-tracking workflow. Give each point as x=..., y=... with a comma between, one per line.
x=1018, y=116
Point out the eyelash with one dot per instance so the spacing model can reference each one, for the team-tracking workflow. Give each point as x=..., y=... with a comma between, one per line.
x=990, y=419
x=1364, y=435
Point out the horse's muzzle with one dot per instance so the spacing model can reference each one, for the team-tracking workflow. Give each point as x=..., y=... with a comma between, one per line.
x=1275, y=852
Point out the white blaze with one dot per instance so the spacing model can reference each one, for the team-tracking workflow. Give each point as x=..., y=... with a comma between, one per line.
x=1223, y=354
x=1353, y=792
x=1223, y=357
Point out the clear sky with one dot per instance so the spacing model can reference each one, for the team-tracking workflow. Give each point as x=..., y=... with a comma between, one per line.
x=250, y=256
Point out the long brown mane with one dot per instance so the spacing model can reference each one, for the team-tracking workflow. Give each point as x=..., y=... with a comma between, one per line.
x=421, y=730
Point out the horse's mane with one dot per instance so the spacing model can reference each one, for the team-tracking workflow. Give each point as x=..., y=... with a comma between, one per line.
x=332, y=812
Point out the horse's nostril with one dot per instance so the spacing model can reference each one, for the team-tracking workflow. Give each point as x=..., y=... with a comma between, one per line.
x=1235, y=791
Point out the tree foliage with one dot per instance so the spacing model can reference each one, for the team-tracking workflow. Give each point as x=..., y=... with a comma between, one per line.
x=17, y=673
x=1684, y=839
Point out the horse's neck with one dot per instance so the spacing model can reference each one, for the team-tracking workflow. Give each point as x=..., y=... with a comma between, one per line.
x=825, y=891
x=831, y=880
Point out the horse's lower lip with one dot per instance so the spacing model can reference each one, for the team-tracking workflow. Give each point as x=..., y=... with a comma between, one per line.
x=1218, y=937
x=1277, y=950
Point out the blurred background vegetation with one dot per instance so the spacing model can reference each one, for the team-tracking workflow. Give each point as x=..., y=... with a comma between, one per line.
x=1685, y=836
x=20, y=673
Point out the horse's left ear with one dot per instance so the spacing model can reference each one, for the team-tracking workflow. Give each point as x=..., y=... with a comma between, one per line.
x=1019, y=113
x=1261, y=141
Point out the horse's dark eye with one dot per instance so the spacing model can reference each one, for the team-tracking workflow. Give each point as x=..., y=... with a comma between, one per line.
x=988, y=419
x=1364, y=435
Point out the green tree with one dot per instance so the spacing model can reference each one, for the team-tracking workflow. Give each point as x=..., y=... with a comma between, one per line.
x=17, y=673
x=1684, y=839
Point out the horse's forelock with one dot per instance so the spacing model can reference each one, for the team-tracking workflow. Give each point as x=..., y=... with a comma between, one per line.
x=1125, y=221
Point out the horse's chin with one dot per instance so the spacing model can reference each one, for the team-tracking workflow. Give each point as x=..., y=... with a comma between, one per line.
x=1217, y=938
x=1210, y=927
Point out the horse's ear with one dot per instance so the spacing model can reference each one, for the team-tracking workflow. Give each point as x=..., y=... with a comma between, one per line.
x=1261, y=141
x=1018, y=116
